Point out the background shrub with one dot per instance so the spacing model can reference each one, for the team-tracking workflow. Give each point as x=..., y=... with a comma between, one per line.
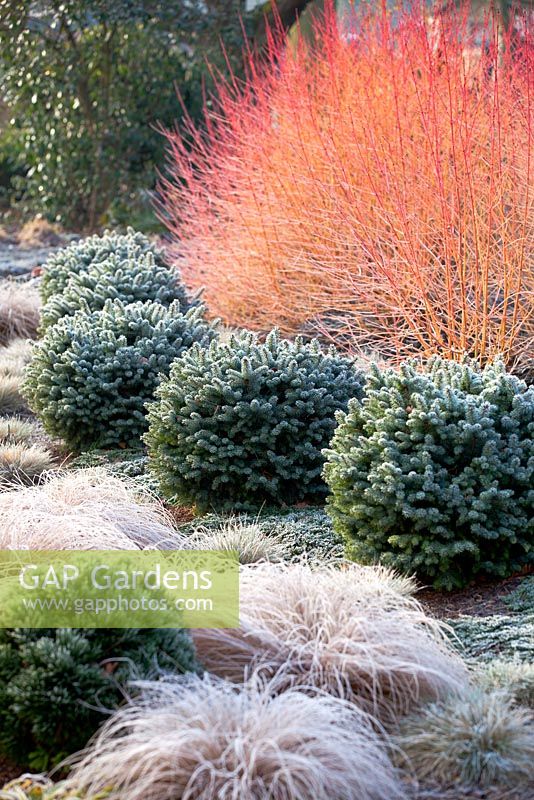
x=91, y=374
x=80, y=256
x=433, y=472
x=134, y=278
x=84, y=105
x=243, y=423
x=334, y=198
x=56, y=684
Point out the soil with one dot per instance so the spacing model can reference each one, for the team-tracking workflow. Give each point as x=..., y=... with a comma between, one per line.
x=8, y=771
x=481, y=599
x=23, y=260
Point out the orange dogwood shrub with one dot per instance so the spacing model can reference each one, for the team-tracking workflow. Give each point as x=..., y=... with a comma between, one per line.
x=377, y=187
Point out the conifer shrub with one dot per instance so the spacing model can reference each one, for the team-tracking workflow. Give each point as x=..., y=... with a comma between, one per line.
x=79, y=256
x=136, y=277
x=55, y=685
x=433, y=472
x=91, y=374
x=242, y=423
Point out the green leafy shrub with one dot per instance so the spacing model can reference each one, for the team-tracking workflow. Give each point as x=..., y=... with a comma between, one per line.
x=84, y=103
x=80, y=256
x=433, y=473
x=56, y=684
x=132, y=279
x=91, y=374
x=242, y=423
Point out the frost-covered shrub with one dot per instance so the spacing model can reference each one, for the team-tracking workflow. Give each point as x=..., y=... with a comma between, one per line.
x=79, y=256
x=242, y=423
x=55, y=685
x=433, y=472
x=91, y=374
x=136, y=277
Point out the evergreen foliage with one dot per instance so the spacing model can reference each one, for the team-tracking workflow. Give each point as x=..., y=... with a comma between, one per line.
x=91, y=374
x=79, y=256
x=242, y=423
x=56, y=684
x=503, y=636
x=433, y=472
x=521, y=599
x=138, y=277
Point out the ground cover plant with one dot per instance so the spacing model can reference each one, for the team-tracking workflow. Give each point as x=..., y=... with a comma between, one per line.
x=433, y=471
x=242, y=423
x=206, y=739
x=376, y=186
x=497, y=636
x=92, y=374
x=57, y=685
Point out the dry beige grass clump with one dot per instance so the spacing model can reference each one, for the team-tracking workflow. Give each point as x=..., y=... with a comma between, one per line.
x=22, y=464
x=200, y=739
x=14, y=430
x=11, y=399
x=247, y=538
x=84, y=510
x=14, y=357
x=19, y=311
x=480, y=739
x=40, y=232
x=355, y=633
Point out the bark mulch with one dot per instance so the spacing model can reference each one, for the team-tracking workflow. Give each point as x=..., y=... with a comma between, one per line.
x=483, y=598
